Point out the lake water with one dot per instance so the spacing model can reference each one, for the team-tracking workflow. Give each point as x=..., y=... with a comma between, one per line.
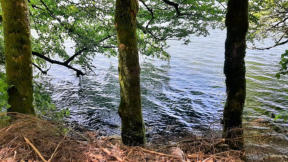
x=185, y=94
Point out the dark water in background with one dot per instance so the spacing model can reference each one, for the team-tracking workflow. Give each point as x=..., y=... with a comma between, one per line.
x=185, y=94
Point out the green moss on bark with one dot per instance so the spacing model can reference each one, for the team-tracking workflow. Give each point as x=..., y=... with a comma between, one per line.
x=234, y=69
x=133, y=132
x=17, y=48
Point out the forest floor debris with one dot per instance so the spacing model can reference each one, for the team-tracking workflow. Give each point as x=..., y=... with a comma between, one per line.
x=29, y=138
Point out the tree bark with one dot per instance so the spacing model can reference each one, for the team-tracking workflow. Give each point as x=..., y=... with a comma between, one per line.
x=17, y=47
x=132, y=131
x=234, y=69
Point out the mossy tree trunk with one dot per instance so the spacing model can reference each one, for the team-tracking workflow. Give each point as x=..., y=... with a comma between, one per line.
x=133, y=131
x=17, y=48
x=234, y=69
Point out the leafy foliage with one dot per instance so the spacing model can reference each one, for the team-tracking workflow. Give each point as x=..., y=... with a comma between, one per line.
x=3, y=93
x=284, y=64
x=58, y=24
x=282, y=115
x=88, y=26
x=269, y=19
x=162, y=20
x=2, y=56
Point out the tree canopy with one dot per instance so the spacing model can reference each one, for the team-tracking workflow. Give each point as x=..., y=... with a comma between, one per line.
x=88, y=28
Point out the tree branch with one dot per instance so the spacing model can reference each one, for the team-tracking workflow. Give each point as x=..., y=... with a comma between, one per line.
x=149, y=9
x=75, y=55
x=277, y=44
x=84, y=49
x=173, y=4
x=151, y=13
x=78, y=72
x=147, y=31
x=41, y=70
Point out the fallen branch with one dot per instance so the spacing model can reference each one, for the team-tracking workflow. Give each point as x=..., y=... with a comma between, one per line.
x=35, y=149
x=53, y=154
x=110, y=154
x=158, y=153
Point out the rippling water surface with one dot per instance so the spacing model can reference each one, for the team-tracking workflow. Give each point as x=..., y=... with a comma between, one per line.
x=186, y=94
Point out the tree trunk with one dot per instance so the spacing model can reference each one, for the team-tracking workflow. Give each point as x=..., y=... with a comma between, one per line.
x=133, y=131
x=17, y=46
x=234, y=69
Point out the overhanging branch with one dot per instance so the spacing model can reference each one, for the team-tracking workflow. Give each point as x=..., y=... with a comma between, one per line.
x=40, y=69
x=75, y=55
x=173, y=4
x=78, y=72
x=275, y=45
